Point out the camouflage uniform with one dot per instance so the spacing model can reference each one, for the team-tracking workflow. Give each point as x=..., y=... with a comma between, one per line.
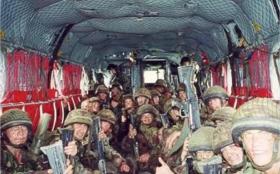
x=9, y=163
x=258, y=114
x=212, y=92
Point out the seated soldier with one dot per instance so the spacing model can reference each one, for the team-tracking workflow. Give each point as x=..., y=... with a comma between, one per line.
x=172, y=108
x=155, y=100
x=108, y=121
x=85, y=104
x=102, y=92
x=16, y=137
x=235, y=160
x=94, y=105
x=256, y=127
x=142, y=96
x=200, y=146
x=214, y=98
x=146, y=132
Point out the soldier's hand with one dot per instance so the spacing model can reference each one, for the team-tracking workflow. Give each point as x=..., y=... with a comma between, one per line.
x=144, y=158
x=132, y=132
x=69, y=168
x=102, y=135
x=124, y=167
x=164, y=168
x=170, y=141
x=71, y=149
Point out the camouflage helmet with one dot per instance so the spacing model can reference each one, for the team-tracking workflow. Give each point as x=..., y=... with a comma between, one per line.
x=182, y=87
x=101, y=89
x=260, y=114
x=147, y=108
x=142, y=92
x=155, y=93
x=169, y=104
x=202, y=139
x=222, y=136
x=78, y=116
x=161, y=82
x=127, y=96
x=107, y=115
x=223, y=114
x=14, y=117
x=116, y=85
x=214, y=92
x=93, y=99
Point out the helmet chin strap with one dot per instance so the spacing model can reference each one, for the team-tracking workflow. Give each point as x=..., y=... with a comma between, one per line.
x=275, y=158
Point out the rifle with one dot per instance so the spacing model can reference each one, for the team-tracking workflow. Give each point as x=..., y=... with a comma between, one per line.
x=100, y=145
x=66, y=135
x=191, y=106
x=189, y=165
x=40, y=131
x=135, y=142
x=56, y=157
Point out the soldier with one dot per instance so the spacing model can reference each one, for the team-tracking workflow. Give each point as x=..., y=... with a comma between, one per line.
x=172, y=108
x=147, y=132
x=142, y=96
x=160, y=85
x=200, y=145
x=81, y=123
x=16, y=137
x=94, y=105
x=256, y=126
x=182, y=92
x=116, y=90
x=214, y=98
x=108, y=121
x=102, y=92
x=232, y=153
x=85, y=104
x=155, y=101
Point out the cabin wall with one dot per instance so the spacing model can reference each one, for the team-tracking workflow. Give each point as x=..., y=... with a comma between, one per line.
x=29, y=85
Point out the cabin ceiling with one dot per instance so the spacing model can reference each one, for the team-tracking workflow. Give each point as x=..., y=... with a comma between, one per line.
x=102, y=28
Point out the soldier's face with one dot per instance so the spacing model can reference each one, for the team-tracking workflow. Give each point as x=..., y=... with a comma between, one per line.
x=17, y=134
x=106, y=127
x=215, y=104
x=233, y=154
x=182, y=95
x=259, y=145
x=204, y=155
x=80, y=130
x=94, y=107
x=175, y=113
x=141, y=100
x=102, y=96
x=156, y=100
x=128, y=103
x=115, y=91
x=160, y=89
x=147, y=118
x=85, y=105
